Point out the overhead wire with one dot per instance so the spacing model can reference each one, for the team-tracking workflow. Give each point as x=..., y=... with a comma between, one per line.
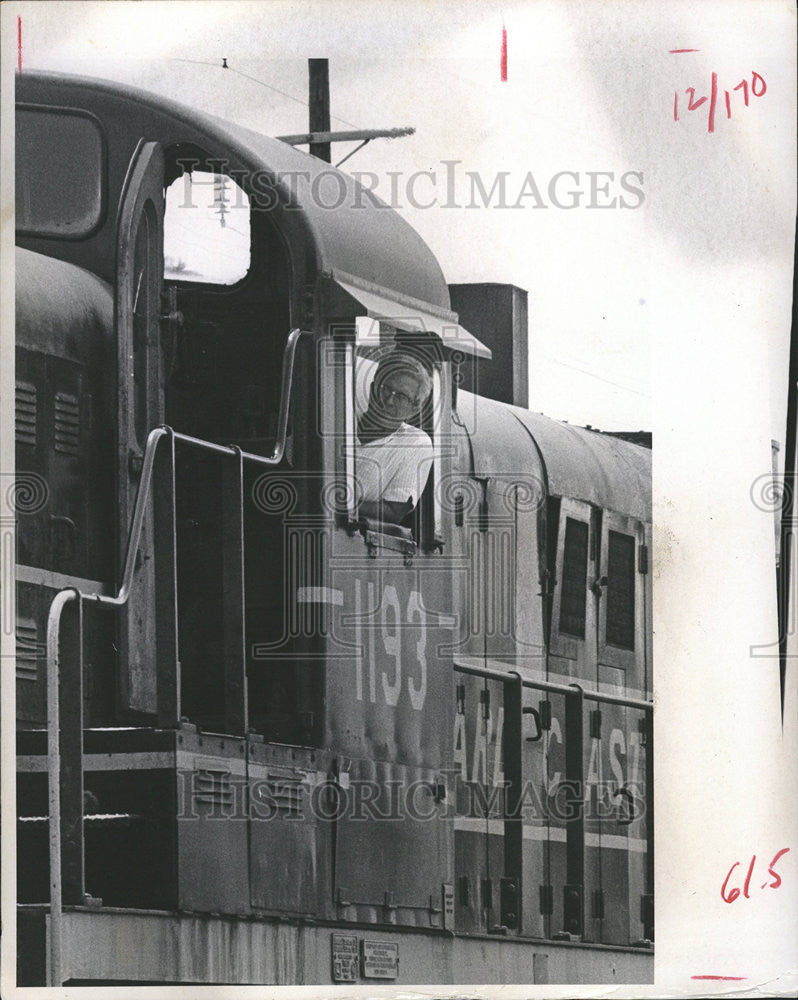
x=601, y=378
x=262, y=83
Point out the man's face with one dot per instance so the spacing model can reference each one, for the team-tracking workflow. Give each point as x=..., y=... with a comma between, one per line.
x=395, y=396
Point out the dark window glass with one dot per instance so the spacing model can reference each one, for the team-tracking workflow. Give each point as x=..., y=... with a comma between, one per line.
x=621, y=591
x=574, y=579
x=59, y=170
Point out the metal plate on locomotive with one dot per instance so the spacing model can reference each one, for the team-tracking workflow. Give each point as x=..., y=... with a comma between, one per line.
x=380, y=959
x=344, y=958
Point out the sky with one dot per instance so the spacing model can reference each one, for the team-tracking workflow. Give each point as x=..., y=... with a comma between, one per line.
x=589, y=96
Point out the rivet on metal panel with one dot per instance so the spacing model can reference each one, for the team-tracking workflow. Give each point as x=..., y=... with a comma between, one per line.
x=572, y=908
x=509, y=902
x=447, y=900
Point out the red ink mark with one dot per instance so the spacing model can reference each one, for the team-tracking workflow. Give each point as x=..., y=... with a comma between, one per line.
x=504, y=55
x=712, y=102
x=747, y=882
x=757, y=87
x=676, y=51
x=777, y=882
x=721, y=978
x=744, y=85
x=19, y=44
x=735, y=892
x=692, y=104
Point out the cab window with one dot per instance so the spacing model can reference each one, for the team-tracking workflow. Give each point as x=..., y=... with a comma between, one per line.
x=574, y=579
x=621, y=591
x=60, y=168
x=206, y=229
x=393, y=429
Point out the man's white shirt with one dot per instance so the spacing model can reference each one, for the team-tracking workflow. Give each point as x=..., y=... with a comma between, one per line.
x=393, y=468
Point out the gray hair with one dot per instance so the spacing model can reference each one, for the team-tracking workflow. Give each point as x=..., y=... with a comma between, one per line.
x=401, y=361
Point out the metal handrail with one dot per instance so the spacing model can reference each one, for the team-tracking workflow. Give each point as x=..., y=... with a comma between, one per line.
x=155, y=436
x=491, y=674
x=514, y=681
x=64, y=597
x=60, y=601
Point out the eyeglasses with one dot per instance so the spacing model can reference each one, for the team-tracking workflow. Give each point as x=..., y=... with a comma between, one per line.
x=388, y=395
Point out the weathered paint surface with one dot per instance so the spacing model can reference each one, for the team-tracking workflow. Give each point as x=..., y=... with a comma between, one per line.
x=201, y=949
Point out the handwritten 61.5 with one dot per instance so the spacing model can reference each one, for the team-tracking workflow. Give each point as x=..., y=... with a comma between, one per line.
x=773, y=882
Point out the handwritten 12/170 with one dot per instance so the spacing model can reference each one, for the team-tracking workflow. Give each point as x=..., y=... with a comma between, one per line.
x=756, y=88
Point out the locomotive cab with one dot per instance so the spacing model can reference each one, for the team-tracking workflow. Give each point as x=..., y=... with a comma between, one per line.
x=215, y=252
x=237, y=587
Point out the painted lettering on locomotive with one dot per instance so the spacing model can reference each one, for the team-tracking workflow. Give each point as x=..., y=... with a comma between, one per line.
x=247, y=712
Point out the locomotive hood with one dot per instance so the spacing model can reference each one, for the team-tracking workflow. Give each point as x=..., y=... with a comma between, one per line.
x=575, y=462
x=60, y=308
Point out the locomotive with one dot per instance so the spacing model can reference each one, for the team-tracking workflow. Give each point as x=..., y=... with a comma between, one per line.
x=260, y=737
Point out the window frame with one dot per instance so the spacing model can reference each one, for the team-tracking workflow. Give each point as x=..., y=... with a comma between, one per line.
x=630, y=660
x=103, y=173
x=581, y=651
x=427, y=523
x=586, y=526
x=220, y=287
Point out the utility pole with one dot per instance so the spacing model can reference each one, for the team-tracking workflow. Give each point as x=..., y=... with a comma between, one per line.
x=319, y=105
x=319, y=138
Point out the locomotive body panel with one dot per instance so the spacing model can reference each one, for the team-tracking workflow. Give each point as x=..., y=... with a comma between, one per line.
x=331, y=719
